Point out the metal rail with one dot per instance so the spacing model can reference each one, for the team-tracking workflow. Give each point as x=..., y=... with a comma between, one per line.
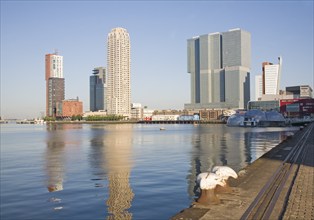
x=265, y=201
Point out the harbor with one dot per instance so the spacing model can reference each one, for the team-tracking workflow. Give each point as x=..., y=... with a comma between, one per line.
x=134, y=170
x=278, y=185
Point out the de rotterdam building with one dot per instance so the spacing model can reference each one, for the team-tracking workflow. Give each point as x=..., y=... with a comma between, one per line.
x=219, y=67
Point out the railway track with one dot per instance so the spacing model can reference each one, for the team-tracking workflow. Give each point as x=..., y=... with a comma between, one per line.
x=267, y=199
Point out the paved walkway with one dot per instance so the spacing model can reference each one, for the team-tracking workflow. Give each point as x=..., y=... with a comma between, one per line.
x=252, y=179
x=301, y=204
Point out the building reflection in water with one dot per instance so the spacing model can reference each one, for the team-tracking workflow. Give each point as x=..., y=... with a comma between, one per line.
x=55, y=158
x=57, y=139
x=222, y=145
x=258, y=143
x=111, y=149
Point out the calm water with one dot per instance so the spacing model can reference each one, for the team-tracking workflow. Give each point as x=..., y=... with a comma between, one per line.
x=116, y=171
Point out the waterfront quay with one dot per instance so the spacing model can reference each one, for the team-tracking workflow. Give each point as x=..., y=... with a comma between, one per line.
x=141, y=122
x=279, y=185
x=182, y=122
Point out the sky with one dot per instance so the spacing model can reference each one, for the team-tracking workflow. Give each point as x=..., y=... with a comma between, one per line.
x=158, y=32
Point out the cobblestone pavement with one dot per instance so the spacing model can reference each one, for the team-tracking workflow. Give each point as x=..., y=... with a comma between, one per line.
x=301, y=204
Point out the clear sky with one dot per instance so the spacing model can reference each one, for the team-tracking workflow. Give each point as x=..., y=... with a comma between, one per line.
x=158, y=31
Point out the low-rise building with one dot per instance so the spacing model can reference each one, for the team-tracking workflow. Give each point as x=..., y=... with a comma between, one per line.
x=300, y=92
x=210, y=114
x=297, y=107
x=136, y=111
x=95, y=113
x=71, y=107
x=264, y=105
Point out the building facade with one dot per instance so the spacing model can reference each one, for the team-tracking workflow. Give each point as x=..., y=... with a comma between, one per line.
x=258, y=87
x=54, y=82
x=219, y=67
x=97, y=89
x=55, y=95
x=271, y=77
x=70, y=107
x=136, y=111
x=118, y=95
x=297, y=107
x=303, y=91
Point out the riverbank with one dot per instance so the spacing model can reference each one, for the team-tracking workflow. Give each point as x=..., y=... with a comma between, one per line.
x=254, y=177
x=91, y=122
x=136, y=122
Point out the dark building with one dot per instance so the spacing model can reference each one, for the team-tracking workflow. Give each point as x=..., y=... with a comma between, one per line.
x=55, y=95
x=97, y=89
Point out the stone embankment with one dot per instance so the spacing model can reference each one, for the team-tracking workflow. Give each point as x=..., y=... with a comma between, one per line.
x=279, y=185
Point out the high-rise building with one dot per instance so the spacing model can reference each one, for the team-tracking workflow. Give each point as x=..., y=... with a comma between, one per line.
x=258, y=87
x=97, y=88
x=55, y=96
x=271, y=77
x=219, y=66
x=118, y=95
x=54, y=83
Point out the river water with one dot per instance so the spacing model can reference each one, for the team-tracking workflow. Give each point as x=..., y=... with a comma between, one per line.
x=121, y=171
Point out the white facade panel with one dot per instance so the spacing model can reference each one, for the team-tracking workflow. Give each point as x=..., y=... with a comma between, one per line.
x=272, y=79
x=258, y=87
x=56, y=66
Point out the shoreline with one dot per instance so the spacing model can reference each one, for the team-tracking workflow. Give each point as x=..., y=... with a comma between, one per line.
x=136, y=122
x=251, y=180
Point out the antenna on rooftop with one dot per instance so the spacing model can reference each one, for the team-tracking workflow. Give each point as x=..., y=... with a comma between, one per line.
x=56, y=52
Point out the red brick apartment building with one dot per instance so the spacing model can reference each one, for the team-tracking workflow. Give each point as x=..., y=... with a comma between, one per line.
x=70, y=107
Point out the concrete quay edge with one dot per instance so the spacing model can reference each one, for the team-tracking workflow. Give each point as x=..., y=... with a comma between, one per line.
x=252, y=179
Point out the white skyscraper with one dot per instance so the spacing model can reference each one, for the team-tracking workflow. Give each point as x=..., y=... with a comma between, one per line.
x=118, y=95
x=272, y=73
x=258, y=87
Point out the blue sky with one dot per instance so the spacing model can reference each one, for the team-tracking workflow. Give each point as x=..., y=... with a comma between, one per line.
x=158, y=30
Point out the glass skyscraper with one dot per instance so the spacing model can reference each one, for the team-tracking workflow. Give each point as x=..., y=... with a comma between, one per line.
x=219, y=66
x=97, y=89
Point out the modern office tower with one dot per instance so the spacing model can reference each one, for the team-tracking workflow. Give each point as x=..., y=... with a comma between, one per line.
x=258, y=87
x=97, y=89
x=118, y=96
x=54, y=82
x=219, y=66
x=271, y=77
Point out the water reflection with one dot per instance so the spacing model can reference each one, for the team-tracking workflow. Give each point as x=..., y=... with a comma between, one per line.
x=111, y=148
x=55, y=158
x=221, y=145
x=57, y=140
